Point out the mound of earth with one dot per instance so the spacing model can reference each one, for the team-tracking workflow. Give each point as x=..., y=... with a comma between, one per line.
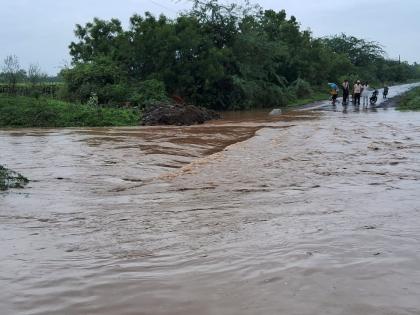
x=11, y=179
x=177, y=114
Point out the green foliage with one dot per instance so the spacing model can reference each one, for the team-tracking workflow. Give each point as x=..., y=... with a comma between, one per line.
x=11, y=179
x=263, y=93
x=99, y=77
x=218, y=56
x=93, y=100
x=97, y=39
x=29, y=89
x=147, y=93
x=21, y=111
x=360, y=52
x=301, y=88
x=411, y=100
x=315, y=96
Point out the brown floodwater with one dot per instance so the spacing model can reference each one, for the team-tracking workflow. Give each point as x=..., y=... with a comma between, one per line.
x=310, y=212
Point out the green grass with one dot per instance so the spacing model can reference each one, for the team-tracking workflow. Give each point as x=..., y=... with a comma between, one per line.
x=413, y=81
x=411, y=100
x=21, y=111
x=11, y=179
x=316, y=96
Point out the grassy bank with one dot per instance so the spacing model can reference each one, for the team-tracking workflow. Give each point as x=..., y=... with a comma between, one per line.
x=21, y=111
x=316, y=96
x=10, y=179
x=411, y=100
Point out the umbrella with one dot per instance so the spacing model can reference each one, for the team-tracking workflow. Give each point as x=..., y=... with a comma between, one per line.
x=333, y=85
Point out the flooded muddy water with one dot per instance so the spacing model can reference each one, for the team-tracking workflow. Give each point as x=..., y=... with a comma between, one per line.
x=310, y=212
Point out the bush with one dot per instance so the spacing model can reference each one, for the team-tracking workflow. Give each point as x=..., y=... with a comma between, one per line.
x=11, y=179
x=411, y=100
x=93, y=100
x=101, y=77
x=29, y=112
x=114, y=94
x=301, y=88
x=263, y=93
x=148, y=93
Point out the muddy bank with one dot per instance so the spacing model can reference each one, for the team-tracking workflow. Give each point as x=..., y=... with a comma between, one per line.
x=10, y=179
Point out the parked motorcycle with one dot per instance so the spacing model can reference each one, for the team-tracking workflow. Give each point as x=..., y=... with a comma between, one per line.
x=374, y=98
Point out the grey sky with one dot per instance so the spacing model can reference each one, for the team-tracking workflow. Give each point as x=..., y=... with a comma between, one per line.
x=41, y=30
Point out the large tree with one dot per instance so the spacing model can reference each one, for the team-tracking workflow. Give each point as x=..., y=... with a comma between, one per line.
x=359, y=51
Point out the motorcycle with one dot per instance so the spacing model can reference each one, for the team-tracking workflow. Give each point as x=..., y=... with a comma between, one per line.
x=374, y=98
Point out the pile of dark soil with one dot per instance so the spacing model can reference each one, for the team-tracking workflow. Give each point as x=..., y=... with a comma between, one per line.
x=177, y=114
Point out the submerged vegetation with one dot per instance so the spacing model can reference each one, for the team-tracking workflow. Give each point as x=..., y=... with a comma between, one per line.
x=411, y=100
x=11, y=179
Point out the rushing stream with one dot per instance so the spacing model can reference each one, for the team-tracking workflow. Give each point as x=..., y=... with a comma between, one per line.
x=310, y=212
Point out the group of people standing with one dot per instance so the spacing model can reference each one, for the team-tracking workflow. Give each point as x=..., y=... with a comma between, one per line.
x=360, y=91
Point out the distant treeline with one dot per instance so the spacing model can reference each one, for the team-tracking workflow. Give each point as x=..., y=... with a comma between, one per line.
x=27, y=76
x=32, y=82
x=49, y=89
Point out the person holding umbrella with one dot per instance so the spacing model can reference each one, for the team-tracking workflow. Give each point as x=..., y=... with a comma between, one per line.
x=333, y=92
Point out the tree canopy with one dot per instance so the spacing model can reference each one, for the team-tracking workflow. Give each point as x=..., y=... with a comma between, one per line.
x=218, y=56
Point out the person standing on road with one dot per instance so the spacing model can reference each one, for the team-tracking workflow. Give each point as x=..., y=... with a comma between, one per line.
x=365, y=94
x=346, y=91
x=357, y=90
x=385, y=92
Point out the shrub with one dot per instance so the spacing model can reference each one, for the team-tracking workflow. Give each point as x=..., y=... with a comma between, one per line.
x=301, y=88
x=411, y=100
x=93, y=100
x=147, y=93
x=11, y=179
x=96, y=77
x=29, y=112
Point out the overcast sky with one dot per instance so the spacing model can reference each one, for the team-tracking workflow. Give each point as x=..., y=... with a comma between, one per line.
x=39, y=31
